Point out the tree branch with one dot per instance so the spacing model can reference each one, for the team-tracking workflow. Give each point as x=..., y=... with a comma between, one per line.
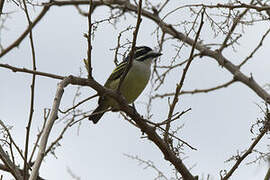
x=267, y=176
x=235, y=23
x=196, y=91
x=241, y=158
x=28, y=127
x=48, y=127
x=263, y=131
x=16, y=69
x=24, y=34
x=181, y=83
x=89, y=51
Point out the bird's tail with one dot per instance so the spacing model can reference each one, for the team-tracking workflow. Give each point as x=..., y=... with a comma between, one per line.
x=97, y=114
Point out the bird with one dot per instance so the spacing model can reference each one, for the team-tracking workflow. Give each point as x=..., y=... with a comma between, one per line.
x=133, y=84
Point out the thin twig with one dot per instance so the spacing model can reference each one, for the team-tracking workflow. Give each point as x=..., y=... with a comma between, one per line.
x=263, y=130
x=255, y=50
x=78, y=104
x=235, y=23
x=163, y=6
x=60, y=136
x=180, y=85
x=89, y=51
x=28, y=127
x=16, y=69
x=169, y=120
x=150, y=164
x=196, y=91
x=24, y=34
x=241, y=158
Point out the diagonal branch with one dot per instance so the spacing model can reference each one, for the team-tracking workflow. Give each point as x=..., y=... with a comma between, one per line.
x=235, y=23
x=255, y=49
x=48, y=127
x=181, y=83
x=267, y=176
x=241, y=158
x=263, y=130
x=24, y=34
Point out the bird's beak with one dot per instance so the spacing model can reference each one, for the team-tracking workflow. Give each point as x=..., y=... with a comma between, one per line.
x=156, y=54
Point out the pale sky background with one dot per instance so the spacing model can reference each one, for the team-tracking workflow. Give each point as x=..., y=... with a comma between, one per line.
x=218, y=125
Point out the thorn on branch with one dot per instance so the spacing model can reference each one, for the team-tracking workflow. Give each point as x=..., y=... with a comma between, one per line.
x=221, y=61
x=155, y=11
x=251, y=77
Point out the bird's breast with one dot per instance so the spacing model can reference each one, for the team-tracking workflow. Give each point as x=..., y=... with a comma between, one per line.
x=135, y=81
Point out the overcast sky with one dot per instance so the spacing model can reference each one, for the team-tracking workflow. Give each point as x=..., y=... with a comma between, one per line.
x=218, y=125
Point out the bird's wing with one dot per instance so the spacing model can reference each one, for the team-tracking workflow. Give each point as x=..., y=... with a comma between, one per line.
x=116, y=74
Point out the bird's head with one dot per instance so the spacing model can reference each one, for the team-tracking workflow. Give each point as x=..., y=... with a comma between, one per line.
x=143, y=53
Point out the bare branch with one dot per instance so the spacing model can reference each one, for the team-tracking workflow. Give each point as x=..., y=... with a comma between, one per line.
x=24, y=34
x=60, y=136
x=89, y=51
x=28, y=127
x=196, y=91
x=163, y=6
x=235, y=23
x=15, y=69
x=255, y=50
x=48, y=127
x=241, y=158
x=78, y=104
x=148, y=164
x=180, y=85
x=264, y=130
x=267, y=176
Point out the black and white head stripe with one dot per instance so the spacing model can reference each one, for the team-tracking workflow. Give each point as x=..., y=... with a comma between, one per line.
x=143, y=52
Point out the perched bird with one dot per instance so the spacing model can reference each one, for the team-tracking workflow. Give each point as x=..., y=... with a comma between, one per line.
x=133, y=84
